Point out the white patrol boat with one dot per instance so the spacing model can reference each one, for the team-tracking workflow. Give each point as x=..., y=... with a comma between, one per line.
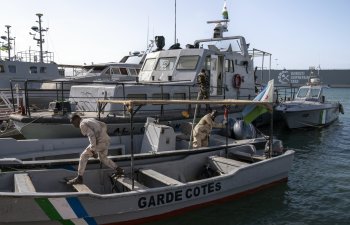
x=310, y=108
x=165, y=74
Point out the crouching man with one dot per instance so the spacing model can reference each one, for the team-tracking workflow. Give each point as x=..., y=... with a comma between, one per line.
x=99, y=140
x=202, y=130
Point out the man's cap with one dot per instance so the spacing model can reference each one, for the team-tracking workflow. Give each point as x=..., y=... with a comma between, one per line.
x=74, y=116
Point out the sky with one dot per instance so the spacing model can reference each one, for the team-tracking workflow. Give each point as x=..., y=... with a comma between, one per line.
x=298, y=33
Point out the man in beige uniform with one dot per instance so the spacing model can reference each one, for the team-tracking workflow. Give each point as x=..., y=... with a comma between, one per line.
x=202, y=130
x=98, y=147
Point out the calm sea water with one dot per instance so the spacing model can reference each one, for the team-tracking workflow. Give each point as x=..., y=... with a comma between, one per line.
x=318, y=189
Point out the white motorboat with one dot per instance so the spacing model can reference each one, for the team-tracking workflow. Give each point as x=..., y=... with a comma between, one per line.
x=165, y=74
x=310, y=107
x=127, y=69
x=149, y=189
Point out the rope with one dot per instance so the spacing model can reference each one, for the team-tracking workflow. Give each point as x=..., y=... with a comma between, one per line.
x=4, y=132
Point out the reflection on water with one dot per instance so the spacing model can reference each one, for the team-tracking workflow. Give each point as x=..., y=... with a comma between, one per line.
x=253, y=209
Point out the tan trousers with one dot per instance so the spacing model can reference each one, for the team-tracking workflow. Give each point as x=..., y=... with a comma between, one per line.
x=201, y=136
x=102, y=151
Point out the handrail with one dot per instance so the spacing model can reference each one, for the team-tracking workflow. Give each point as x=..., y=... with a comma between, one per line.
x=136, y=102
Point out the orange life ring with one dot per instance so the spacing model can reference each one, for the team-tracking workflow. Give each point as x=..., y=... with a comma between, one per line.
x=236, y=81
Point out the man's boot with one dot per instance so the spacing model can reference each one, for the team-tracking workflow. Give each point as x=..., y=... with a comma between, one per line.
x=119, y=172
x=76, y=180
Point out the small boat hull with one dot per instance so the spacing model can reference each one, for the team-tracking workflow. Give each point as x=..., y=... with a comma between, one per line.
x=61, y=205
x=311, y=118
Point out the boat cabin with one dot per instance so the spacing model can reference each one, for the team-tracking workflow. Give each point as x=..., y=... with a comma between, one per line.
x=27, y=66
x=127, y=68
x=172, y=74
x=311, y=92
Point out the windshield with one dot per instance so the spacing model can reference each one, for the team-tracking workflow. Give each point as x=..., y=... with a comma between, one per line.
x=314, y=92
x=149, y=64
x=166, y=64
x=302, y=92
x=97, y=69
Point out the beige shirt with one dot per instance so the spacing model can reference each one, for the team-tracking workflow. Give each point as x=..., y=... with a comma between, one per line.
x=96, y=131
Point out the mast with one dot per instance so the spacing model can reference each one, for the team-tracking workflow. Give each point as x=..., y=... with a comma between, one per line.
x=8, y=39
x=40, y=31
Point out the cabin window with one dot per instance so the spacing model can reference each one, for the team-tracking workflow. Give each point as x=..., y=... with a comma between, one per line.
x=12, y=68
x=43, y=69
x=97, y=69
x=188, y=62
x=207, y=63
x=137, y=96
x=33, y=69
x=180, y=96
x=214, y=63
x=302, y=92
x=133, y=72
x=314, y=92
x=115, y=70
x=138, y=71
x=166, y=64
x=229, y=67
x=160, y=96
x=123, y=71
x=2, y=70
x=149, y=64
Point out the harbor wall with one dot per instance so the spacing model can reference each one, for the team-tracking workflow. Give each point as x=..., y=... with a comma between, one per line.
x=333, y=78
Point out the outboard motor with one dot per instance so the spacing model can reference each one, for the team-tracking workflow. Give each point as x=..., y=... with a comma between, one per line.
x=241, y=130
x=277, y=147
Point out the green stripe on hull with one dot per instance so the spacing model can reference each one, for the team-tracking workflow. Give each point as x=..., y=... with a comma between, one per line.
x=66, y=222
x=48, y=208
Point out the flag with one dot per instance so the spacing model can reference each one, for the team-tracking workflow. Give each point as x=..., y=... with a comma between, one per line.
x=3, y=48
x=225, y=12
x=251, y=112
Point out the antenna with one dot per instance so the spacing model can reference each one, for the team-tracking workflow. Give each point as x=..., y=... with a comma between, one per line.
x=175, y=23
x=147, y=32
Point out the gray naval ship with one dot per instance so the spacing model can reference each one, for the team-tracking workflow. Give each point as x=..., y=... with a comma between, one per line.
x=297, y=78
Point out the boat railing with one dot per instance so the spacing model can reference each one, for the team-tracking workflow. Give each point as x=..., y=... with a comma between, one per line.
x=34, y=56
x=60, y=91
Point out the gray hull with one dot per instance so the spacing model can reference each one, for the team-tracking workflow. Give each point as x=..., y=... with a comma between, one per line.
x=54, y=202
x=311, y=118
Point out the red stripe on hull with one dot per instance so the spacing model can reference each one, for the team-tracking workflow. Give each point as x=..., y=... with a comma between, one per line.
x=186, y=209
